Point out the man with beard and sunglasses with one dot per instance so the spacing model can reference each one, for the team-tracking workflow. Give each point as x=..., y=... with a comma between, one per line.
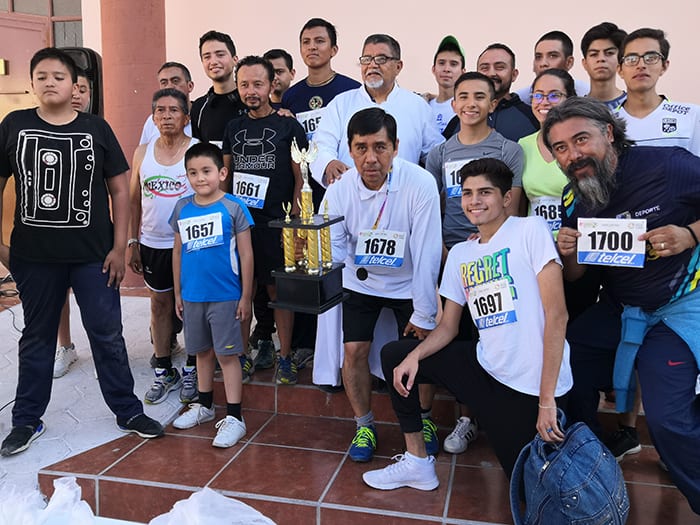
x=657, y=306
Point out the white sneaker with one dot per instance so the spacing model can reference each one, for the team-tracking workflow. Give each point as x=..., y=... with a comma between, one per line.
x=230, y=431
x=408, y=471
x=465, y=431
x=65, y=356
x=195, y=414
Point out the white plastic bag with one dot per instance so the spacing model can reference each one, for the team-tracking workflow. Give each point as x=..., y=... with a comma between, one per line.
x=65, y=506
x=208, y=507
x=19, y=507
x=29, y=507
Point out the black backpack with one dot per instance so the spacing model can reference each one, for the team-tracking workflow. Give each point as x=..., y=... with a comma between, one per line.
x=576, y=481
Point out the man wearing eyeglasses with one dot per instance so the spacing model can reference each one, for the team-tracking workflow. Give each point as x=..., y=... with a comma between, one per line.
x=652, y=119
x=380, y=65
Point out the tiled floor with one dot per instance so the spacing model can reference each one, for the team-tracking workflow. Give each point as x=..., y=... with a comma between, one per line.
x=293, y=467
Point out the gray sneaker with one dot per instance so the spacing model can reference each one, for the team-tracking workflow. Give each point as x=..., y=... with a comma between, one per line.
x=266, y=355
x=303, y=357
x=162, y=384
x=189, y=392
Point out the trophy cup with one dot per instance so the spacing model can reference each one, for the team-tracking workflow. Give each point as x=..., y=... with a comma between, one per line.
x=312, y=283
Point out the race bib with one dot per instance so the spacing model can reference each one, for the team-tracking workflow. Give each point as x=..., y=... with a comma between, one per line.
x=250, y=188
x=453, y=186
x=491, y=304
x=611, y=242
x=380, y=248
x=310, y=121
x=201, y=232
x=549, y=208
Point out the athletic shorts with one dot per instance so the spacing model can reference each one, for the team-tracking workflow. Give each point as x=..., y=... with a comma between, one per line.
x=212, y=325
x=157, y=268
x=360, y=313
x=267, y=252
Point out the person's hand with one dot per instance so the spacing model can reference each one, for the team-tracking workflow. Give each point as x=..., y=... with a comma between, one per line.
x=334, y=171
x=135, y=259
x=408, y=368
x=5, y=255
x=284, y=112
x=669, y=240
x=566, y=241
x=243, y=312
x=547, y=424
x=179, y=306
x=115, y=265
x=417, y=331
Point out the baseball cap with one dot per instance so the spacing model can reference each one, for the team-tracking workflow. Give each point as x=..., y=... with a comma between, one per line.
x=449, y=43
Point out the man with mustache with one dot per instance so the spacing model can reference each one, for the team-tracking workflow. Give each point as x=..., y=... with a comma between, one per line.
x=257, y=153
x=610, y=179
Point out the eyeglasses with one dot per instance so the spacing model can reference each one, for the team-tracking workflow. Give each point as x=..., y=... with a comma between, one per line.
x=553, y=97
x=366, y=60
x=652, y=57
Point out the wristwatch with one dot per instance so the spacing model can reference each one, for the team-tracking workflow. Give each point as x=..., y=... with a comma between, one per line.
x=131, y=242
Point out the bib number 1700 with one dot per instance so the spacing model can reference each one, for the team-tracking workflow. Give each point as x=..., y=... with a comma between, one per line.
x=611, y=240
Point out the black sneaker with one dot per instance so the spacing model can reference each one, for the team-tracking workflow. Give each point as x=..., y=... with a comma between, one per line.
x=20, y=438
x=144, y=426
x=624, y=441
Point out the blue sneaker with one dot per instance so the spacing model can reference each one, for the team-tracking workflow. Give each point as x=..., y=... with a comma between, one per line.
x=432, y=444
x=363, y=444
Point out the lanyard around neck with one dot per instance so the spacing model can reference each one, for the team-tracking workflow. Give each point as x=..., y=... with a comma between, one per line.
x=386, y=198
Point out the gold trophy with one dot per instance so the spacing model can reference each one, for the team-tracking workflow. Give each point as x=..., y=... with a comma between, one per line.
x=313, y=283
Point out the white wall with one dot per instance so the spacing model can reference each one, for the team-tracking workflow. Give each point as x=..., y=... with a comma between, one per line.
x=258, y=26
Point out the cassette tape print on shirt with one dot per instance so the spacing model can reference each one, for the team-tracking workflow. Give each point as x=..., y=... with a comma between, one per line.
x=53, y=198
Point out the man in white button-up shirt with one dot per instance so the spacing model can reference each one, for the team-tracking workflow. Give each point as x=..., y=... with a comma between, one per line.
x=390, y=243
x=381, y=63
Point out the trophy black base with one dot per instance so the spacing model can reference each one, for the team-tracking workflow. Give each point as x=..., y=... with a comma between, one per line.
x=311, y=294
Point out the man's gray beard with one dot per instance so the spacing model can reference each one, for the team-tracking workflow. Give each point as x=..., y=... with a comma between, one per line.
x=375, y=84
x=595, y=191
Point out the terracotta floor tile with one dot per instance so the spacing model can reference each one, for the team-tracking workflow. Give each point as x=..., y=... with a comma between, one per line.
x=480, y=494
x=349, y=489
x=478, y=454
x=284, y=513
x=279, y=471
x=307, y=432
x=310, y=401
x=652, y=505
x=99, y=458
x=254, y=419
x=257, y=396
x=139, y=503
x=174, y=459
x=644, y=468
x=344, y=517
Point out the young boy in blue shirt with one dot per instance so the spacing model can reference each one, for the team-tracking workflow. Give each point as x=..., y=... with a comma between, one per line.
x=213, y=273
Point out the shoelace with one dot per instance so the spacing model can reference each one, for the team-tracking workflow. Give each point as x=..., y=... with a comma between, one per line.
x=188, y=379
x=429, y=429
x=400, y=463
x=365, y=438
x=462, y=429
x=287, y=365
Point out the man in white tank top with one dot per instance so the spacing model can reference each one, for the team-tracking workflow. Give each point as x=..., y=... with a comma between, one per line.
x=158, y=181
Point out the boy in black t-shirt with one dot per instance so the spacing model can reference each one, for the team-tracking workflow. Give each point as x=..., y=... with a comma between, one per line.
x=257, y=151
x=67, y=166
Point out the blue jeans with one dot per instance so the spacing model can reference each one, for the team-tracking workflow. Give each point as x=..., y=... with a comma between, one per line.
x=42, y=288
